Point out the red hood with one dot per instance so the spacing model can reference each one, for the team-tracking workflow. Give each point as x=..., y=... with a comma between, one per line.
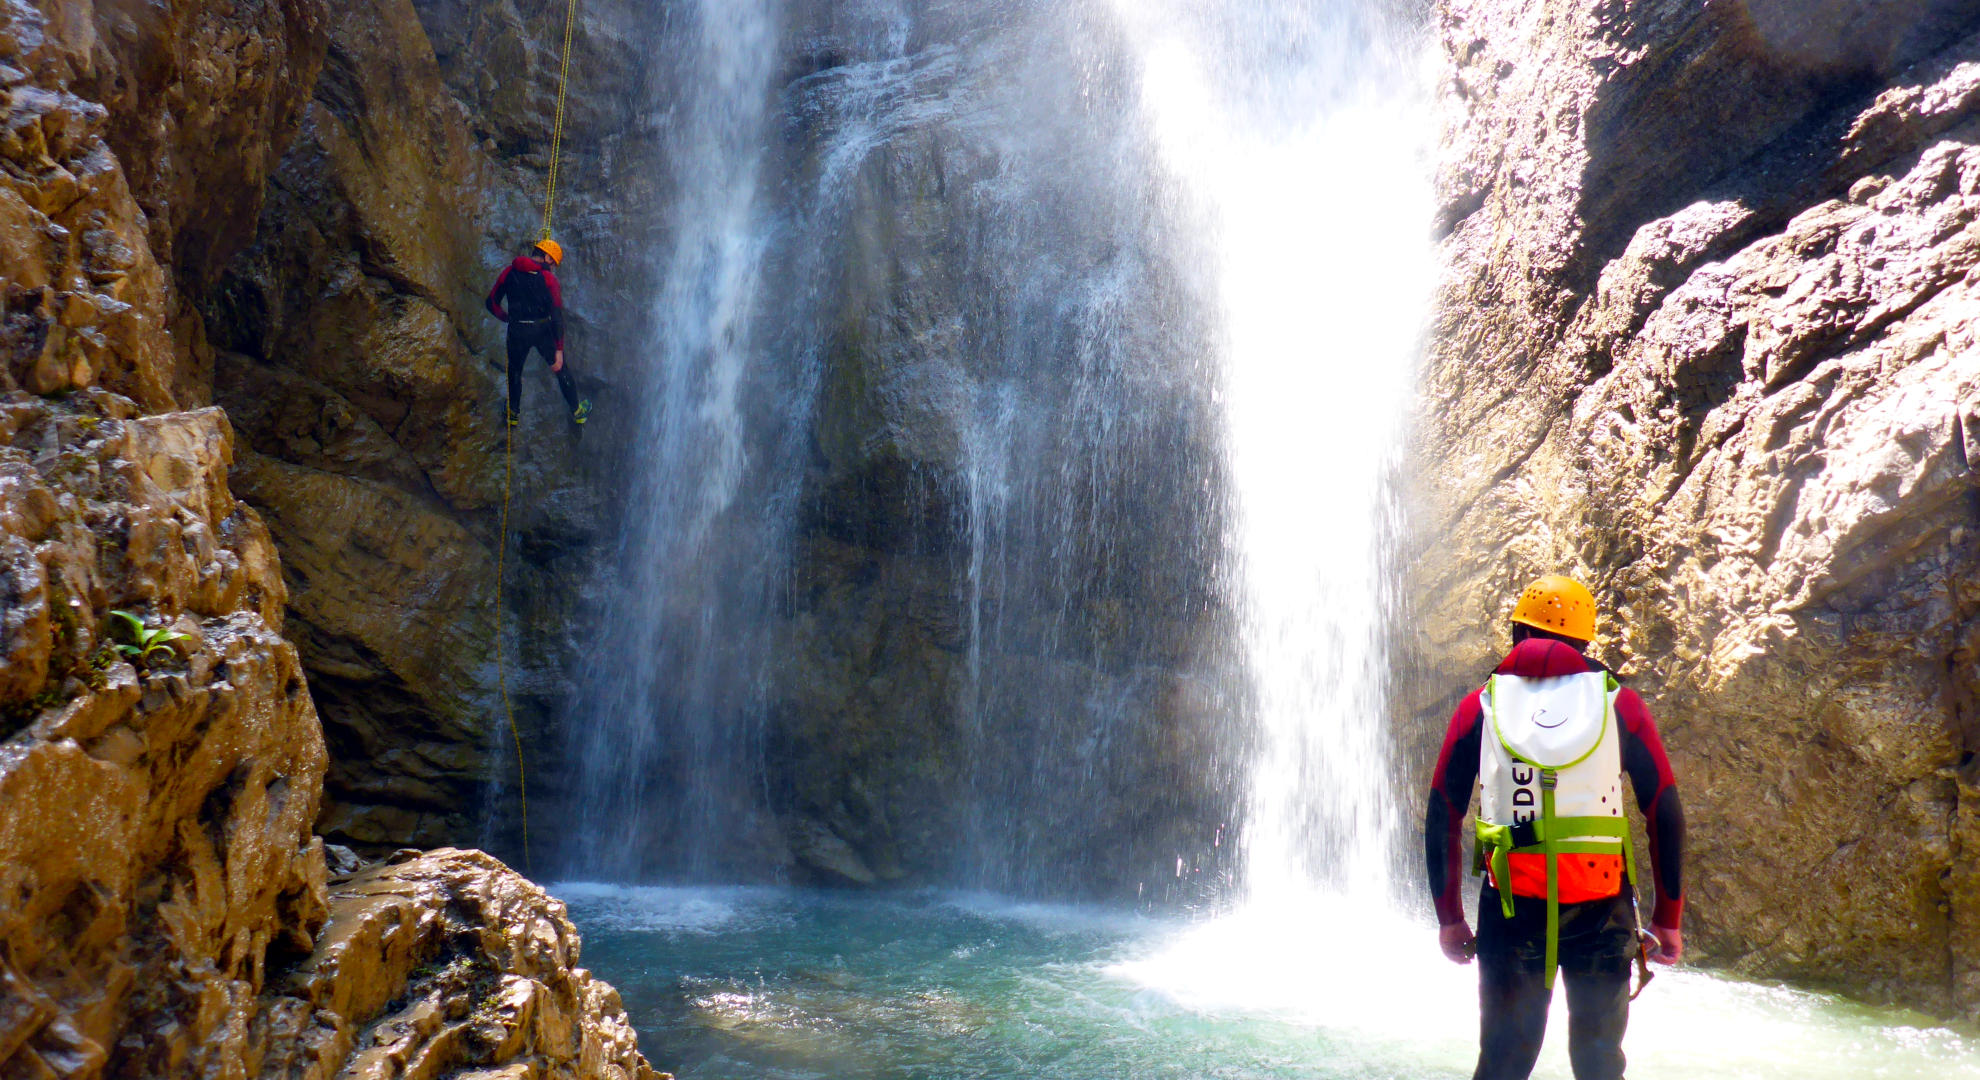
x=1540, y=658
x=528, y=265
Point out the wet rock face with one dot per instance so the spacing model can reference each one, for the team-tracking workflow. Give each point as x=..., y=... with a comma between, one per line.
x=136, y=141
x=367, y=383
x=1707, y=340
x=155, y=806
x=993, y=643
x=435, y=964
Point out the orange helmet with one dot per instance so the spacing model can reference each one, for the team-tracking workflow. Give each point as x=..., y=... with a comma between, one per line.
x=1558, y=604
x=551, y=250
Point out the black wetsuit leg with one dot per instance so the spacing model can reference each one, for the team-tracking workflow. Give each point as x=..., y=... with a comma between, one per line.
x=1512, y=1016
x=1596, y=939
x=564, y=381
x=541, y=338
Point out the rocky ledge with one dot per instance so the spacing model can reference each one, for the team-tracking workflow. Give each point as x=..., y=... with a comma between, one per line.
x=447, y=964
x=168, y=910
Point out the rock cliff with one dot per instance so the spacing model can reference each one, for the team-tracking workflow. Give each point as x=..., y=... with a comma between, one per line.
x=1707, y=339
x=156, y=838
x=161, y=761
x=365, y=378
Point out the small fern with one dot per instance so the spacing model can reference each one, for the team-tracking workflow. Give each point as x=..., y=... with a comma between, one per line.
x=140, y=641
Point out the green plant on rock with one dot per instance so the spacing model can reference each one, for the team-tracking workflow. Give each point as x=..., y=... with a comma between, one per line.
x=96, y=670
x=140, y=641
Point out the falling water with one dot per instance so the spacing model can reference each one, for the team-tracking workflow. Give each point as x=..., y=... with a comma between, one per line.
x=1065, y=438
x=1176, y=222
x=1300, y=126
x=670, y=689
x=1187, y=297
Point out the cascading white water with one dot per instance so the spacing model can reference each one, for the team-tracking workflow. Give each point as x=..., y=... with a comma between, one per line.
x=1301, y=127
x=1297, y=129
x=1292, y=128
x=665, y=687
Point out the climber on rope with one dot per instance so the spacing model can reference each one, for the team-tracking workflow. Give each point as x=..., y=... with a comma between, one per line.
x=1550, y=736
x=535, y=316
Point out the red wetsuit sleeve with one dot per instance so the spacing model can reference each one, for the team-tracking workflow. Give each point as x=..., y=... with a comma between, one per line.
x=495, y=294
x=1443, y=818
x=1656, y=793
x=556, y=303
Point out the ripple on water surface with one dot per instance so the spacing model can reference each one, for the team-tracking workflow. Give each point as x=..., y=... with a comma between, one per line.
x=743, y=983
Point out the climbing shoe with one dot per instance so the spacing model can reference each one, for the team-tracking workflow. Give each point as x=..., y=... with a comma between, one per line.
x=582, y=412
x=514, y=419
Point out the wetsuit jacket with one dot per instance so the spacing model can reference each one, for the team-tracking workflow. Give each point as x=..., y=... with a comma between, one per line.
x=532, y=293
x=1643, y=760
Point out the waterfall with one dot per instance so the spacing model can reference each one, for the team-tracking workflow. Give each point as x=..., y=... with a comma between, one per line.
x=1111, y=306
x=1301, y=128
x=670, y=691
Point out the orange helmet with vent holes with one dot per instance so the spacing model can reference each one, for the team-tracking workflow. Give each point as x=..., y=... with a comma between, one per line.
x=1560, y=605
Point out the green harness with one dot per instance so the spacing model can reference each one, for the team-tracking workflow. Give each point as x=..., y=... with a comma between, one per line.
x=1496, y=844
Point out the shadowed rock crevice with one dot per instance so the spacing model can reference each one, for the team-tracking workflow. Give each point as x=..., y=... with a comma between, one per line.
x=1777, y=84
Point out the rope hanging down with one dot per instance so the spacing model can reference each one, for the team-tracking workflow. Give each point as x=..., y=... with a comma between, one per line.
x=501, y=666
x=509, y=445
x=557, y=129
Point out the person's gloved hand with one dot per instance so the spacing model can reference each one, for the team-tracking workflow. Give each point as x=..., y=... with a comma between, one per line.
x=1670, y=945
x=1457, y=942
x=559, y=364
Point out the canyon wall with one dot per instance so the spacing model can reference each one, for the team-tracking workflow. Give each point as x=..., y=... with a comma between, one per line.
x=924, y=587
x=366, y=381
x=1707, y=340
x=1007, y=662
x=169, y=908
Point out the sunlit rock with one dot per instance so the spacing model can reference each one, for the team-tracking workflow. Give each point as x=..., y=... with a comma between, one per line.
x=1708, y=340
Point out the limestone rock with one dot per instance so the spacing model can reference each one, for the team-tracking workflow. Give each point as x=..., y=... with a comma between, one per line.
x=362, y=371
x=1707, y=339
x=439, y=965
x=155, y=812
x=133, y=156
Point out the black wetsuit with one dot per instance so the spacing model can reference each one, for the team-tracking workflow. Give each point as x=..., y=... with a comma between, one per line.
x=535, y=314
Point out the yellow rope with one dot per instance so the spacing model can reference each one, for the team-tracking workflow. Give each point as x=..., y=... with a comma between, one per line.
x=557, y=132
x=509, y=447
x=501, y=668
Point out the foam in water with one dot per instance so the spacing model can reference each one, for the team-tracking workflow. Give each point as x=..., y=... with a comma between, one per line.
x=796, y=985
x=664, y=910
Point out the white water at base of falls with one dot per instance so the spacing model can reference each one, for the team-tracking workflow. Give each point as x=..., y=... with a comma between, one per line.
x=767, y=984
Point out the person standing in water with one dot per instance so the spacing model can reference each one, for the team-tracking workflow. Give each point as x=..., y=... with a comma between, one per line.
x=1549, y=737
x=529, y=298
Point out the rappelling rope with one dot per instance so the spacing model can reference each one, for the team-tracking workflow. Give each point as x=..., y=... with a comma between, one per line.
x=557, y=130
x=501, y=667
x=509, y=444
